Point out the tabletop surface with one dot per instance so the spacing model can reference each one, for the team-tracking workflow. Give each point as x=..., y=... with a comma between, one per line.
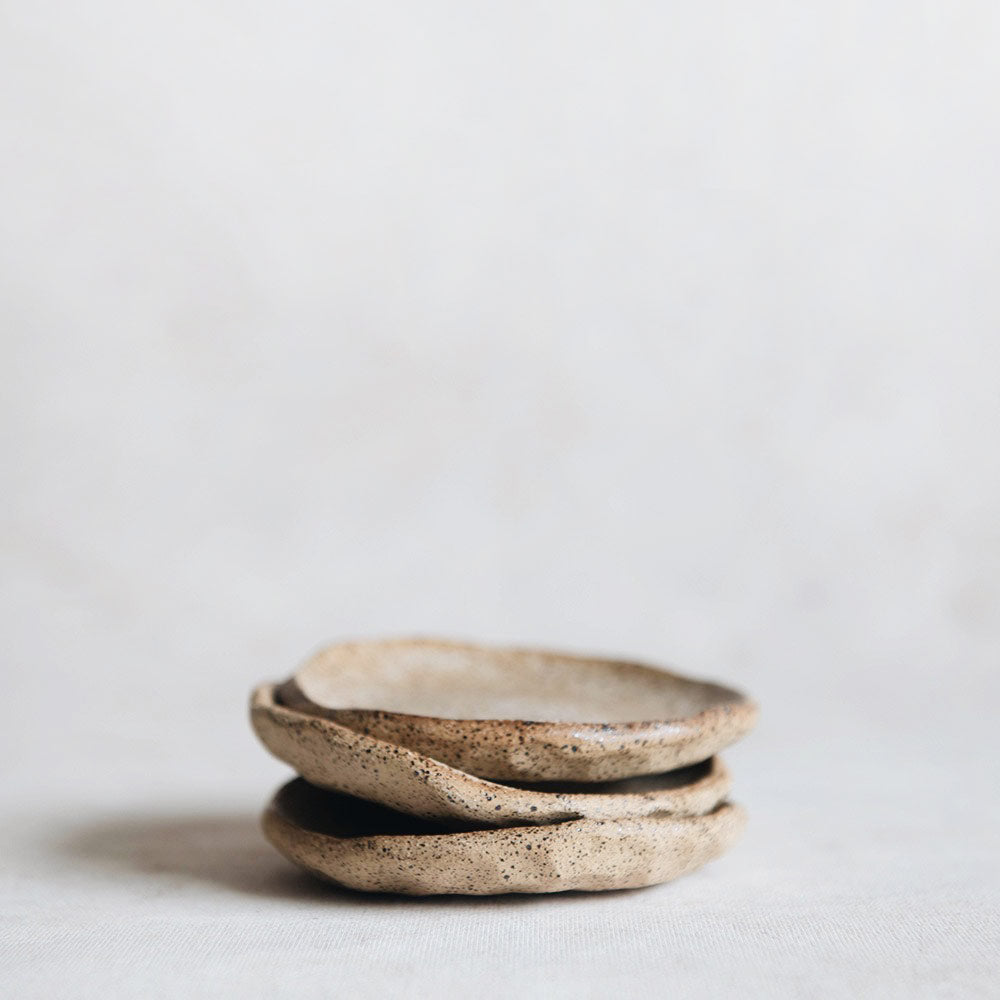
x=132, y=864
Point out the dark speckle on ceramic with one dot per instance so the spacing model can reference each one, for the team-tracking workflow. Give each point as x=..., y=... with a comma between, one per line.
x=520, y=714
x=364, y=846
x=338, y=758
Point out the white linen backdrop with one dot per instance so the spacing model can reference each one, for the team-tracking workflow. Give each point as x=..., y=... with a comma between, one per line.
x=667, y=331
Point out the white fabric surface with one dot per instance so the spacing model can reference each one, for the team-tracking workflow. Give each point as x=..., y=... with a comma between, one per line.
x=668, y=332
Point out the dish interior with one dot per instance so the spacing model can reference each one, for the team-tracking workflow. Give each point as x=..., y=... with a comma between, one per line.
x=469, y=682
x=332, y=814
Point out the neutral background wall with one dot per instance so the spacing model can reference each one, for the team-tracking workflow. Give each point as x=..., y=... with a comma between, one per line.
x=655, y=330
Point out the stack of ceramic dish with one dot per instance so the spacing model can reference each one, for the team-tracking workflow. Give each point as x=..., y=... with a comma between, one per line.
x=434, y=767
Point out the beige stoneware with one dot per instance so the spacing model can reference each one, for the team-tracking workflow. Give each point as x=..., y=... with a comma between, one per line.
x=364, y=846
x=338, y=758
x=521, y=714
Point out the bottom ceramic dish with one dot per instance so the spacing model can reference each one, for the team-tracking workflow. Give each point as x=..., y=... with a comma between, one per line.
x=365, y=846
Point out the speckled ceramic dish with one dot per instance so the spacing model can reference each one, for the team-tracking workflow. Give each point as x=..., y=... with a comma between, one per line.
x=365, y=846
x=338, y=758
x=521, y=714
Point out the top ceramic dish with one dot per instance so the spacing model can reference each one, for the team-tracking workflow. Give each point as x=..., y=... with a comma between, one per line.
x=520, y=714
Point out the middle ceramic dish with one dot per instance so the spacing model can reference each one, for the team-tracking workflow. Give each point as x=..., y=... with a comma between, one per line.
x=335, y=757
